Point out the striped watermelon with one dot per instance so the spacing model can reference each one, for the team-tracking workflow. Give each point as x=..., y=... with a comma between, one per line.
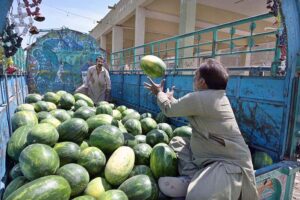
x=76, y=175
x=140, y=187
x=97, y=187
x=44, y=134
x=74, y=129
x=163, y=161
x=114, y=195
x=68, y=152
x=23, y=118
x=18, y=142
x=38, y=160
x=44, y=188
x=93, y=159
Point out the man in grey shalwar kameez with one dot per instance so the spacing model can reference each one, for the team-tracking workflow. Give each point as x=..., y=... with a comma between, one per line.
x=97, y=85
x=215, y=163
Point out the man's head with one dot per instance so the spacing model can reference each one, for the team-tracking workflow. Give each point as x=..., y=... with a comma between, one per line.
x=99, y=61
x=210, y=75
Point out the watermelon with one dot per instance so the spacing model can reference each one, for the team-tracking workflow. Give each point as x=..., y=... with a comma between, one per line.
x=183, y=131
x=60, y=93
x=145, y=115
x=140, y=187
x=41, y=106
x=84, y=145
x=25, y=106
x=53, y=121
x=140, y=138
x=84, y=197
x=51, y=106
x=129, y=140
x=119, y=165
x=93, y=159
x=74, y=130
x=104, y=109
x=161, y=118
x=80, y=103
x=127, y=111
x=132, y=115
x=166, y=128
x=98, y=120
x=122, y=127
x=121, y=108
x=156, y=136
x=43, y=133
x=68, y=152
x=43, y=115
x=66, y=101
x=33, y=98
x=14, y=185
x=100, y=103
x=38, y=160
x=76, y=175
x=84, y=112
x=141, y=169
x=23, y=118
x=148, y=124
x=261, y=159
x=113, y=195
x=71, y=113
x=15, y=171
x=51, y=97
x=153, y=66
x=96, y=187
x=133, y=126
x=142, y=154
x=88, y=100
x=107, y=137
x=163, y=161
x=117, y=114
x=18, y=142
x=44, y=188
x=60, y=114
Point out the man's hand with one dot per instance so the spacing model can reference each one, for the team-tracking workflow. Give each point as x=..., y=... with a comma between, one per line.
x=170, y=93
x=154, y=87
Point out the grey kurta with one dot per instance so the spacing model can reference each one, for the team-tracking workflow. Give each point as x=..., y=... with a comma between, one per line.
x=96, y=84
x=216, y=139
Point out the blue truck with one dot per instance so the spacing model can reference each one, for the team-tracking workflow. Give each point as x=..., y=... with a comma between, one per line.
x=265, y=99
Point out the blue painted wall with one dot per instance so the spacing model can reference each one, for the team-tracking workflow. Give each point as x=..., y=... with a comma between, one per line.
x=4, y=8
x=55, y=61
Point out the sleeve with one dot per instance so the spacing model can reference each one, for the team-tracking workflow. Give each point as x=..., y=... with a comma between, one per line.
x=108, y=80
x=188, y=105
x=88, y=78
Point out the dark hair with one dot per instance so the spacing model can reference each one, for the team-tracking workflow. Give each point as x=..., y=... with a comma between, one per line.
x=214, y=74
x=100, y=57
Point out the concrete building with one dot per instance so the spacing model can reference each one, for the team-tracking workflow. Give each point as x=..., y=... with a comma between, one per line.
x=136, y=22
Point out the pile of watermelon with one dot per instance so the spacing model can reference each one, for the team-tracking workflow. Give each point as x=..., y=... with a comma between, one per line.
x=64, y=147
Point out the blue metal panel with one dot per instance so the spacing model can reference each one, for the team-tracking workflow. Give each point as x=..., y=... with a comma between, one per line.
x=262, y=124
x=4, y=5
x=132, y=87
x=4, y=136
x=262, y=88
